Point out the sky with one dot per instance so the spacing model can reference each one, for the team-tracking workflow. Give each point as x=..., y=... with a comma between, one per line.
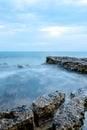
x=43, y=25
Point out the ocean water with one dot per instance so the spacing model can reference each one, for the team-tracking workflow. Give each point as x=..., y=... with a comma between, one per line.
x=20, y=86
x=33, y=58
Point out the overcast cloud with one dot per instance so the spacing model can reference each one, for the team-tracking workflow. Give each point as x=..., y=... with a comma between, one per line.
x=43, y=25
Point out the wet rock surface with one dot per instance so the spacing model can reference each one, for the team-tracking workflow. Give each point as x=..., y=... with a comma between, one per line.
x=71, y=63
x=20, y=118
x=82, y=95
x=44, y=107
x=25, y=118
x=71, y=116
x=48, y=113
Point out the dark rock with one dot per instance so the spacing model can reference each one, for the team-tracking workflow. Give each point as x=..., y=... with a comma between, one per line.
x=46, y=115
x=20, y=118
x=20, y=66
x=82, y=94
x=71, y=116
x=72, y=95
x=50, y=60
x=44, y=107
x=71, y=63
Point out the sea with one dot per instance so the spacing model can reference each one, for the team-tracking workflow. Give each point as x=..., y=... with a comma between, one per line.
x=20, y=86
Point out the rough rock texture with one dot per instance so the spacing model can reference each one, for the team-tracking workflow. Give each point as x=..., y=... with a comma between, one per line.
x=23, y=118
x=71, y=116
x=45, y=106
x=46, y=115
x=71, y=63
x=20, y=118
x=81, y=94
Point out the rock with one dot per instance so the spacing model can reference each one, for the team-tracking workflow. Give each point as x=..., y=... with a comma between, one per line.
x=46, y=115
x=44, y=107
x=72, y=114
x=70, y=117
x=71, y=63
x=72, y=95
x=82, y=94
x=20, y=118
x=50, y=60
x=20, y=66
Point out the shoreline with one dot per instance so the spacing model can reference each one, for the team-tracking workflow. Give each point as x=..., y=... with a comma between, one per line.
x=49, y=112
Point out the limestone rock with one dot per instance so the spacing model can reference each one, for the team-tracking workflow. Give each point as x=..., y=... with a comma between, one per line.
x=45, y=106
x=20, y=118
x=71, y=63
x=82, y=94
x=71, y=116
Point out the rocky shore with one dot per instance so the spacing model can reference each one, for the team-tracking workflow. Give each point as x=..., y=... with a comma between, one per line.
x=71, y=116
x=70, y=63
x=48, y=112
x=32, y=118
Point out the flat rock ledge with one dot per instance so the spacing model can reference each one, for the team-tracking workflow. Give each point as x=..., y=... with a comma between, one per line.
x=28, y=118
x=71, y=63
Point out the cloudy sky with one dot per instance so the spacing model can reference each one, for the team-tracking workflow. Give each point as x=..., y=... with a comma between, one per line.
x=43, y=25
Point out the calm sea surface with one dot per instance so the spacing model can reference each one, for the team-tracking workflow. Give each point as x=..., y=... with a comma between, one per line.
x=19, y=86
x=33, y=58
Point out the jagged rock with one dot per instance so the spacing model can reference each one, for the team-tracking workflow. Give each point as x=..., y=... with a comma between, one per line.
x=20, y=118
x=71, y=63
x=82, y=94
x=70, y=117
x=46, y=115
x=45, y=106
x=51, y=60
